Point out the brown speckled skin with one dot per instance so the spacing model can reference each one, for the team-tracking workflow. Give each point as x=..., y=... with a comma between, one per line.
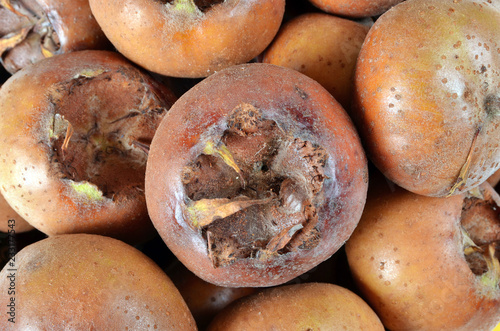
x=426, y=84
x=407, y=257
x=28, y=180
x=313, y=306
x=301, y=107
x=355, y=8
x=7, y=213
x=91, y=282
x=174, y=43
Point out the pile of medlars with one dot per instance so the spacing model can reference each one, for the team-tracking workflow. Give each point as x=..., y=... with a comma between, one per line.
x=250, y=164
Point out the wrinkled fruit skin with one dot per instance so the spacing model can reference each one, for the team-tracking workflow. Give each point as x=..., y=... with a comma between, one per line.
x=180, y=42
x=100, y=106
x=407, y=258
x=38, y=29
x=427, y=103
x=90, y=282
x=302, y=111
x=355, y=8
x=312, y=306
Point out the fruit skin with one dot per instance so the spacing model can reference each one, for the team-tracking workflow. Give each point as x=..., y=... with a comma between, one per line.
x=71, y=21
x=355, y=8
x=204, y=300
x=302, y=108
x=407, y=258
x=181, y=43
x=323, y=47
x=421, y=109
x=32, y=182
x=311, y=306
x=7, y=215
x=84, y=282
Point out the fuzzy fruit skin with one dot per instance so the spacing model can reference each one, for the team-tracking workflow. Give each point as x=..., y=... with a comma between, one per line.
x=427, y=93
x=406, y=255
x=301, y=107
x=311, y=306
x=73, y=23
x=355, y=8
x=323, y=47
x=28, y=179
x=176, y=43
x=85, y=282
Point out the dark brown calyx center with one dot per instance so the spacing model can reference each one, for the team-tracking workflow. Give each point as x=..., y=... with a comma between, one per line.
x=26, y=34
x=480, y=222
x=100, y=122
x=253, y=191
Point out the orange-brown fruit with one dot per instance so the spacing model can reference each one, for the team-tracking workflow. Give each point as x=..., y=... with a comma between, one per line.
x=429, y=263
x=256, y=176
x=73, y=134
x=189, y=38
x=204, y=300
x=355, y=8
x=312, y=306
x=10, y=220
x=32, y=30
x=427, y=94
x=323, y=47
x=88, y=282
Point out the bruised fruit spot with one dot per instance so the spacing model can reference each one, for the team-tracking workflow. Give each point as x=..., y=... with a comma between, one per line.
x=480, y=221
x=96, y=135
x=253, y=191
x=89, y=190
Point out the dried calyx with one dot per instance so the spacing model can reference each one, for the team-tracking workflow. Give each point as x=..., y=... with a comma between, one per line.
x=26, y=34
x=94, y=132
x=253, y=192
x=192, y=6
x=480, y=221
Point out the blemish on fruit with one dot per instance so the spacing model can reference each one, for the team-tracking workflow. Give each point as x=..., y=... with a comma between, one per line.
x=273, y=210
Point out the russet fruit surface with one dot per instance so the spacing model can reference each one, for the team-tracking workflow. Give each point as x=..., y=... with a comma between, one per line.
x=10, y=220
x=90, y=282
x=33, y=30
x=427, y=94
x=323, y=47
x=72, y=131
x=355, y=8
x=312, y=306
x=429, y=263
x=256, y=176
x=188, y=38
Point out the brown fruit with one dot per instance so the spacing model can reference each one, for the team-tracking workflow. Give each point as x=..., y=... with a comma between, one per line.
x=427, y=94
x=312, y=306
x=72, y=134
x=10, y=220
x=323, y=47
x=32, y=30
x=256, y=176
x=204, y=300
x=355, y=8
x=88, y=282
x=189, y=38
x=428, y=263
